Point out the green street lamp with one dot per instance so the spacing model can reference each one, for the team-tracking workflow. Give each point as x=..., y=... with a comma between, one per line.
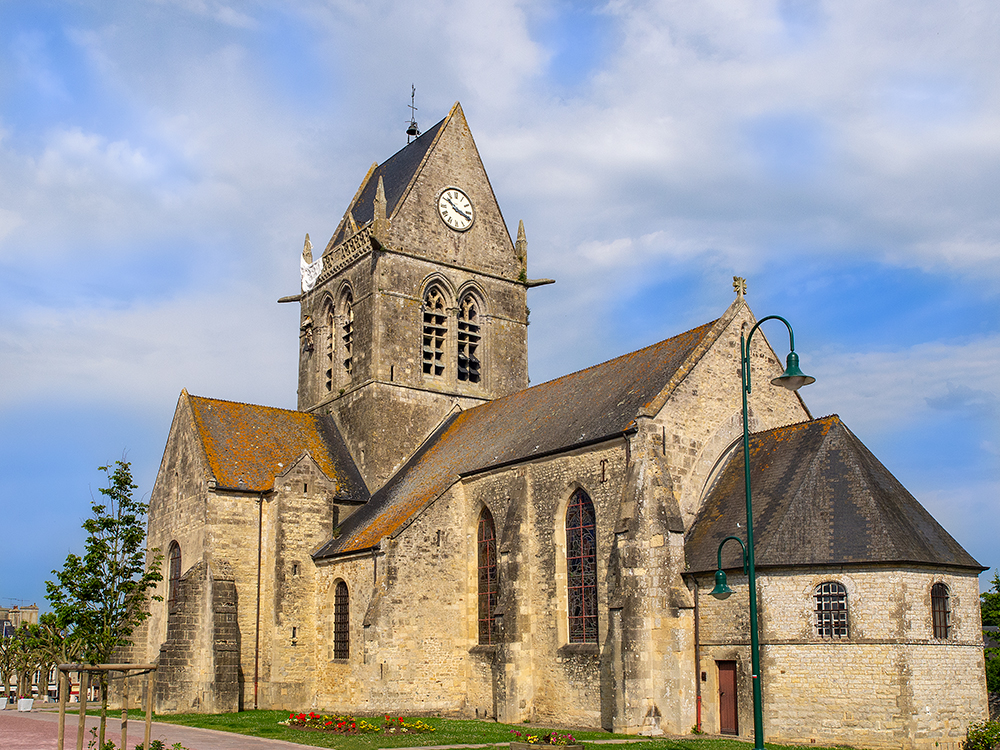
x=792, y=378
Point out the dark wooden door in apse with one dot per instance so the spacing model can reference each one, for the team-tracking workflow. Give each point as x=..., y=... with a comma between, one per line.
x=727, y=698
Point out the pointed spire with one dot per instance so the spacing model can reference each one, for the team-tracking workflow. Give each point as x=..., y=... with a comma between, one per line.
x=307, y=250
x=521, y=246
x=380, y=223
x=380, y=200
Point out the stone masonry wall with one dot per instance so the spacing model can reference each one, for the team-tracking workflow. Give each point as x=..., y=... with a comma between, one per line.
x=177, y=512
x=199, y=660
x=889, y=684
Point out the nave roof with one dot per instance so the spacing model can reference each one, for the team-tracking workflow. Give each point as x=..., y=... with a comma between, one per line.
x=581, y=408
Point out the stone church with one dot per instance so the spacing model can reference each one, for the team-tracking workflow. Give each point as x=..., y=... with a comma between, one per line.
x=426, y=534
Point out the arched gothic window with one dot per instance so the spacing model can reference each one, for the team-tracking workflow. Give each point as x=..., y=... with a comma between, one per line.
x=468, y=340
x=940, y=610
x=330, y=345
x=488, y=589
x=435, y=332
x=581, y=568
x=347, y=330
x=173, y=571
x=831, y=610
x=341, y=622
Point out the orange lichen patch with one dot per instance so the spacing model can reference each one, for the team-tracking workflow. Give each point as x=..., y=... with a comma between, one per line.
x=593, y=404
x=252, y=444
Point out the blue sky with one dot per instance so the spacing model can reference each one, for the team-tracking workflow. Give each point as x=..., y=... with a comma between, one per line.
x=160, y=162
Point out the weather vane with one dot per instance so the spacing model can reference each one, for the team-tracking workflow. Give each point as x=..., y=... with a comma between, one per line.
x=412, y=131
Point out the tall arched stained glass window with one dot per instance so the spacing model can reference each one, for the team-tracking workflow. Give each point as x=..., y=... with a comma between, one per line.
x=487, y=557
x=581, y=568
x=341, y=622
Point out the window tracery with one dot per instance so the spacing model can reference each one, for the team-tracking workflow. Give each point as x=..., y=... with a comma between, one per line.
x=831, y=610
x=940, y=611
x=581, y=568
x=434, y=332
x=488, y=582
x=469, y=338
x=329, y=329
x=347, y=331
x=341, y=622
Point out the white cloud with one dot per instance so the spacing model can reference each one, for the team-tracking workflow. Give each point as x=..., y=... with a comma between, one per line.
x=880, y=392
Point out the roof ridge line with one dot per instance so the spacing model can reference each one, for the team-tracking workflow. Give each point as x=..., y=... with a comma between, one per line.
x=416, y=172
x=811, y=420
x=656, y=403
x=350, y=207
x=247, y=403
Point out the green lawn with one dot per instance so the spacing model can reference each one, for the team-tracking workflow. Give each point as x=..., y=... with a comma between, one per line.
x=448, y=732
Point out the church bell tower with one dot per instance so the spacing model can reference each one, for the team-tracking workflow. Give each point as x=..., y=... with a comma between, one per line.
x=417, y=303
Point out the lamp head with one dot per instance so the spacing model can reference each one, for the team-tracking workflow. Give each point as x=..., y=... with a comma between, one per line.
x=793, y=378
x=721, y=590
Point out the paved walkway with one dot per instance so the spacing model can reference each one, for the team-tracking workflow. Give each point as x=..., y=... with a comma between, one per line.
x=39, y=730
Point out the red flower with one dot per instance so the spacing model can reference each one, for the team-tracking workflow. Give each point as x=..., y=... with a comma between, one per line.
x=302, y=717
x=291, y=716
x=400, y=719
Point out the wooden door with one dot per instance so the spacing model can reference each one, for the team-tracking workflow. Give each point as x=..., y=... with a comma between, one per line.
x=727, y=698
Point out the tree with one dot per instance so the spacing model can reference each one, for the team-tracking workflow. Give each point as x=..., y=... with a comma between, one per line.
x=6, y=663
x=102, y=597
x=23, y=658
x=990, y=604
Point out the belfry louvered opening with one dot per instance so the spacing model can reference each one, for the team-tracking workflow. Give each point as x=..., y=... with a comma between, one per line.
x=469, y=338
x=435, y=332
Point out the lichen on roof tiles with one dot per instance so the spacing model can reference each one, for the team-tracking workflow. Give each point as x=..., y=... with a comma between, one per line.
x=593, y=404
x=250, y=444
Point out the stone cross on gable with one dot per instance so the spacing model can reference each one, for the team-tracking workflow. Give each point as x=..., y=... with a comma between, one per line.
x=739, y=286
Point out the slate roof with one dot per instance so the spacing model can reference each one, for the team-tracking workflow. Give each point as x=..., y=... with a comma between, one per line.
x=397, y=172
x=577, y=409
x=254, y=444
x=819, y=498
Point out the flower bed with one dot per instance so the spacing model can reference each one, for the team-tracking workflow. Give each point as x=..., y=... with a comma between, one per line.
x=537, y=738
x=351, y=725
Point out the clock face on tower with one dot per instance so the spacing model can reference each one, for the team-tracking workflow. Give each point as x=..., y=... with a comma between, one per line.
x=456, y=209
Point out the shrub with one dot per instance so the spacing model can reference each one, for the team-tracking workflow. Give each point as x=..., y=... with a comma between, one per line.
x=983, y=735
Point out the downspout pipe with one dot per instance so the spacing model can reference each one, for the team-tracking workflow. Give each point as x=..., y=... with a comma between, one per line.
x=256, y=635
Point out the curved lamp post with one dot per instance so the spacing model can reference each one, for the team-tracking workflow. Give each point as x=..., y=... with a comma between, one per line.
x=792, y=378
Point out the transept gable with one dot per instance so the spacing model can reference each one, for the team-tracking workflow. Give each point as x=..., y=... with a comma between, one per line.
x=247, y=446
x=820, y=497
x=576, y=410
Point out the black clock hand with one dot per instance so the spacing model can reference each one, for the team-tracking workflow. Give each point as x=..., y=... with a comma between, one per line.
x=457, y=208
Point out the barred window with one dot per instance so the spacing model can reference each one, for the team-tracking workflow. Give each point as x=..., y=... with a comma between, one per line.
x=435, y=332
x=347, y=330
x=174, y=571
x=581, y=568
x=831, y=610
x=468, y=340
x=341, y=622
x=940, y=610
x=330, y=345
x=488, y=589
